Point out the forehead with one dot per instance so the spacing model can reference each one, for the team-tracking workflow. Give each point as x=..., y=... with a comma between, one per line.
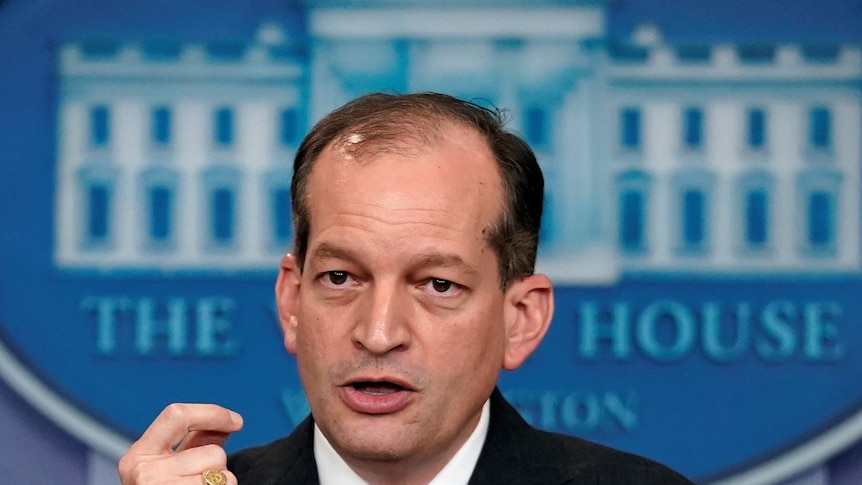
x=446, y=179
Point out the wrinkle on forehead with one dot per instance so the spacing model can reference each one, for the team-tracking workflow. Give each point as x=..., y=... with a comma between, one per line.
x=409, y=218
x=396, y=205
x=419, y=220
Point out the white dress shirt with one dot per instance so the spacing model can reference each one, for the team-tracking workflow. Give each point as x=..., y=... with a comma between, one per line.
x=333, y=470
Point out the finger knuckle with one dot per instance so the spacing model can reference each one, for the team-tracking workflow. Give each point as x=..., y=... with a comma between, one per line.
x=216, y=453
x=125, y=465
x=175, y=412
x=142, y=473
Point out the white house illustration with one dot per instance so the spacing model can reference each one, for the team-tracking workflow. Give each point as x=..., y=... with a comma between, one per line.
x=177, y=157
x=659, y=158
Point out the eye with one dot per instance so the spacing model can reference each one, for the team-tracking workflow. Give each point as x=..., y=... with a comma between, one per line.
x=335, y=278
x=441, y=286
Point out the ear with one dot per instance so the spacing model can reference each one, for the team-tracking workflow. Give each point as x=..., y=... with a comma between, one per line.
x=287, y=299
x=529, y=308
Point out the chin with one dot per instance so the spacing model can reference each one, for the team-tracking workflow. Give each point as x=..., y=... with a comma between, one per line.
x=372, y=441
x=377, y=454
x=371, y=450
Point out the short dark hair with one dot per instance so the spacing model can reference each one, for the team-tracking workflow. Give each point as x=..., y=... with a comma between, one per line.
x=381, y=122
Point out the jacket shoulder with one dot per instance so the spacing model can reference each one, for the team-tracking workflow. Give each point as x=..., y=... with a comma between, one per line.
x=286, y=460
x=588, y=462
x=517, y=453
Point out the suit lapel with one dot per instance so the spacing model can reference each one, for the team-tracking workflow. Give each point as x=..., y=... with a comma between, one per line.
x=304, y=468
x=511, y=453
x=289, y=462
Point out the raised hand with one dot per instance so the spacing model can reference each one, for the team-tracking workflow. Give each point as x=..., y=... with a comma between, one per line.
x=183, y=443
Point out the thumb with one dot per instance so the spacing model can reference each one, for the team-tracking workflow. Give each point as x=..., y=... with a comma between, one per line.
x=202, y=438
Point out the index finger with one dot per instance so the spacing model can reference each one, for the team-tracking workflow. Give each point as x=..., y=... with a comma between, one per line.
x=175, y=422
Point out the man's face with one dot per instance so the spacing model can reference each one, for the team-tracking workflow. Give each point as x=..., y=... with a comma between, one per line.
x=397, y=319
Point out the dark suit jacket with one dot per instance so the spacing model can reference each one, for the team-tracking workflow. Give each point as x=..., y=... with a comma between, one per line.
x=514, y=453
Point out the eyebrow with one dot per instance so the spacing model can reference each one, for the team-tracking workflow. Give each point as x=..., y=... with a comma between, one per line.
x=444, y=260
x=326, y=250
x=330, y=251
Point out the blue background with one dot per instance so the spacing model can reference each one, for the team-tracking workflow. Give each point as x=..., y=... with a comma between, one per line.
x=40, y=312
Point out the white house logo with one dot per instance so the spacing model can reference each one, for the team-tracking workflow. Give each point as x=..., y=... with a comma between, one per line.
x=703, y=221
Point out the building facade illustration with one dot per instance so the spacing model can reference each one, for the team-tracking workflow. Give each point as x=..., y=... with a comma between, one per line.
x=713, y=158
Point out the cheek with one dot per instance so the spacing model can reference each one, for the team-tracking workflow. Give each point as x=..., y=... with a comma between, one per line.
x=472, y=345
x=322, y=334
x=311, y=338
x=313, y=359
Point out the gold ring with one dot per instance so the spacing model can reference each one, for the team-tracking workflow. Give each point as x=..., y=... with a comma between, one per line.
x=215, y=477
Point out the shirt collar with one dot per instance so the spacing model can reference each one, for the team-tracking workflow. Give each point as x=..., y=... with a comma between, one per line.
x=333, y=470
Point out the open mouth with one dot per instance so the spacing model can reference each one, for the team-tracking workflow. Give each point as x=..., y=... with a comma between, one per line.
x=377, y=397
x=377, y=388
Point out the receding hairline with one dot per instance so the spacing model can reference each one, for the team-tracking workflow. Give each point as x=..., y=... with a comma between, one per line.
x=367, y=151
x=407, y=122
x=410, y=134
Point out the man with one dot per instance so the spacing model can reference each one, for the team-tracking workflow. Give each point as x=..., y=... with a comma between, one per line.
x=410, y=287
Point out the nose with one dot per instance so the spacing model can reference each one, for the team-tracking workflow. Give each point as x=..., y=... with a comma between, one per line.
x=383, y=325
